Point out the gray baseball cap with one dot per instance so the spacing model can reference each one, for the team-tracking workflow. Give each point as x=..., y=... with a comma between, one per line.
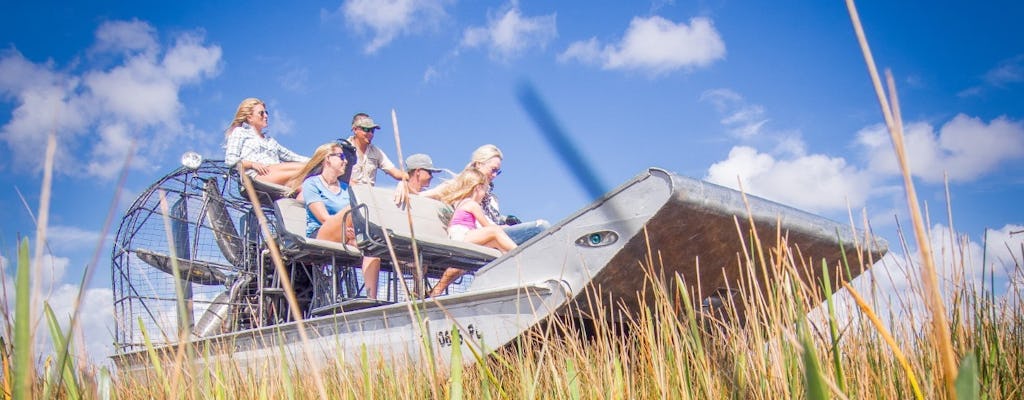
x=420, y=161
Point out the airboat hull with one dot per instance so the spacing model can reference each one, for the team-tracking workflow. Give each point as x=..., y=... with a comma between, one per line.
x=398, y=332
x=662, y=222
x=671, y=226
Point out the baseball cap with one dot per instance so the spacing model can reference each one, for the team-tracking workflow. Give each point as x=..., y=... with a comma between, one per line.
x=365, y=122
x=420, y=161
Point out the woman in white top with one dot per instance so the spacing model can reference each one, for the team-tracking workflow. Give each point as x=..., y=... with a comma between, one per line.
x=261, y=157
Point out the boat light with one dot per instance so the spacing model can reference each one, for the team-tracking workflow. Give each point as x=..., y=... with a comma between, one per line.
x=191, y=159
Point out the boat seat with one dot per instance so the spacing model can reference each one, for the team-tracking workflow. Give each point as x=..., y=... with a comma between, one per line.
x=375, y=215
x=266, y=192
x=291, y=217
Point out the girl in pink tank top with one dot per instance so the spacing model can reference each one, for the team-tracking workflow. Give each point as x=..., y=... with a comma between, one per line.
x=468, y=221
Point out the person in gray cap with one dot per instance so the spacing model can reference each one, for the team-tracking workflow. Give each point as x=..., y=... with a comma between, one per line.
x=421, y=170
x=369, y=158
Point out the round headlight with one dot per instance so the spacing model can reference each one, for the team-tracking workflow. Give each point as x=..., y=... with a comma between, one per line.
x=191, y=159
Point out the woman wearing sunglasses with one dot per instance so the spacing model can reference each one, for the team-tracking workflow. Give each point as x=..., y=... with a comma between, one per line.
x=261, y=157
x=325, y=194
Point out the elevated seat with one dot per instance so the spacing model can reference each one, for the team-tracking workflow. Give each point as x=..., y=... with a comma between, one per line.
x=291, y=229
x=376, y=215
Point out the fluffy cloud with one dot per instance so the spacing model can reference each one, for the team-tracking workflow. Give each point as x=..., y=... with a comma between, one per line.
x=654, y=45
x=388, y=19
x=965, y=147
x=99, y=112
x=893, y=285
x=1007, y=72
x=93, y=336
x=67, y=238
x=814, y=182
x=743, y=120
x=511, y=34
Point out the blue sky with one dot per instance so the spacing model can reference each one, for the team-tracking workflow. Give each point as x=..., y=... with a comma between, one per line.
x=774, y=93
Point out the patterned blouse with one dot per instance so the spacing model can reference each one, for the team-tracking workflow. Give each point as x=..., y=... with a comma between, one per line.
x=245, y=144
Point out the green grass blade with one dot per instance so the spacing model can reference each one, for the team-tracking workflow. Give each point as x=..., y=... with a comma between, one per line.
x=574, y=379
x=833, y=327
x=813, y=379
x=287, y=382
x=65, y=368
x=104, y=385
x=455, y=382
x=23, y=368
x=364, y=360
x=154, y=357
x=967, y=387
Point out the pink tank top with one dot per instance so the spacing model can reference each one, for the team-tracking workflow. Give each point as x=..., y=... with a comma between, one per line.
x=463, y=218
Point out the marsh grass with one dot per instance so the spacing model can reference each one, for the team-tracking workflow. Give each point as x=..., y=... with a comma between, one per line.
x=967, y=345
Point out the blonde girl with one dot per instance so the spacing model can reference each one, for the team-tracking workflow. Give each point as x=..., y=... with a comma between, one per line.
x=468, y=222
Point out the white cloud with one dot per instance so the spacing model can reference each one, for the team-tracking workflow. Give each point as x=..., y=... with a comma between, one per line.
x=788, y=174
x=813, y=182
x=654, y=45
x=136, y=97
x=388, y=19
x=742, y=119
x=126, y=37
x=965, y=147
x=894, y=285
x=65, y=238
x=1004, y=74
x=511, y=34
x=93, y=337
x=295, y=79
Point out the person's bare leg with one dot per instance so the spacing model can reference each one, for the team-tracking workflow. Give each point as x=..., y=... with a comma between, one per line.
x=450, y=275
x=371, y=273
x=491, y=236
x=281, y=173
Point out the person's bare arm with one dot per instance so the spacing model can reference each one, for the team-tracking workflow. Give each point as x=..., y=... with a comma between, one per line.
x=478, y=212
x=319, y=211
x=397, y=173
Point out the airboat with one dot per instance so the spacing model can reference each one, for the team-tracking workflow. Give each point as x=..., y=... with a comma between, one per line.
x=193, y=264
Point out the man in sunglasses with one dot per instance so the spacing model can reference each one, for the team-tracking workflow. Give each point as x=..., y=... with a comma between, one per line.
x=369, y=158
x=421, y=170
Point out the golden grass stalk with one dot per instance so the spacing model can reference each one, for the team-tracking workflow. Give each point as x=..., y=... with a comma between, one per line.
x=275, y=255
x=889, y=340
x=932, y=295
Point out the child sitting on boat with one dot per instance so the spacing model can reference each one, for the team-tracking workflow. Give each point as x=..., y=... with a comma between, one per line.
x=468, y=222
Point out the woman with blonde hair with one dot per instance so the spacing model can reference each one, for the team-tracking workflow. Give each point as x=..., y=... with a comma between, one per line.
x=325, y=194
x=487, y=160
x=262, y=157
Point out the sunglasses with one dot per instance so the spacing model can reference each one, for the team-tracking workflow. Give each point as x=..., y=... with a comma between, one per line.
x=339, y=155
x=368, y=130
x=263, y=113
x=496, y=171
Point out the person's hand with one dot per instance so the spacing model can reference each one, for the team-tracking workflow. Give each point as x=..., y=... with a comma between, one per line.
x=512, y=220
x=260, y=168
x=401, y=194
x=350, y=234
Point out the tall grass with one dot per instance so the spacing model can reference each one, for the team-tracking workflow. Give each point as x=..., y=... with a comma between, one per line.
x=973, y=348
x=672, y=350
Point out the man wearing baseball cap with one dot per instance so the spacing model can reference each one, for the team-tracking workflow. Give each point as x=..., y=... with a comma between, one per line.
x=421, y=170
x=369, y=158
